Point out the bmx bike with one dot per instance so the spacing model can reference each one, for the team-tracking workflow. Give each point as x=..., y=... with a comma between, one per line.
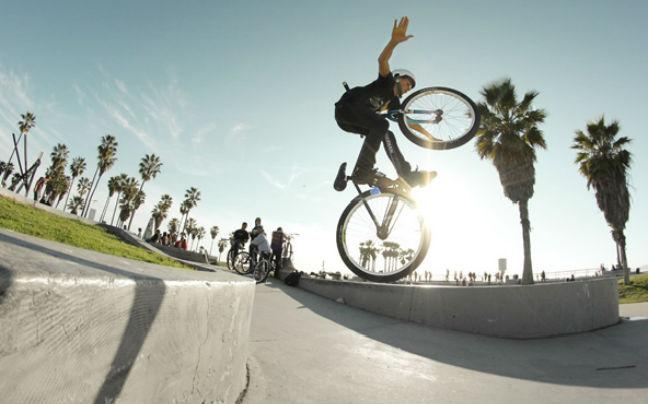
x=244, y=263
x=384, y=221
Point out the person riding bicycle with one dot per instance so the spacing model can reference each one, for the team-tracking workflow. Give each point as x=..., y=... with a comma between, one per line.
x=239, y=238
x=358, y=111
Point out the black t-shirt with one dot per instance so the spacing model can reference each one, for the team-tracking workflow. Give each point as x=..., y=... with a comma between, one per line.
x=375, y=95
x=241, y=236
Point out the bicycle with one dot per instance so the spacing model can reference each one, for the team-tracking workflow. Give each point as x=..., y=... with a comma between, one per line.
x=401, y=235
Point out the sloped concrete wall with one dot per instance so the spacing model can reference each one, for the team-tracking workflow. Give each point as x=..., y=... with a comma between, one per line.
x=510, y=311
x=79, y=326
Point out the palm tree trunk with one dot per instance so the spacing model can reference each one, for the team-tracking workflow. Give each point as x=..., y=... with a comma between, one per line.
x=622, y=262
x=527, y=272
x=91, y=195
x=135, y=210
x=211, y=246
x=68, y=193
x=115, y=211
x=103, y=212
x=86, y=203
x=26, y=167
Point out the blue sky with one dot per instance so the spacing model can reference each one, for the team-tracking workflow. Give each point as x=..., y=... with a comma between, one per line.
x=237, y=99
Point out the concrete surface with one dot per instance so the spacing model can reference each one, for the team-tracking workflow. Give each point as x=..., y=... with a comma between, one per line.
x=305, y=348
x=78, y=326
x=512, y=311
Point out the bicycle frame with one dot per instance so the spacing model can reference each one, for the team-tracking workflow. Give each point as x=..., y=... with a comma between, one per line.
x=383, y=229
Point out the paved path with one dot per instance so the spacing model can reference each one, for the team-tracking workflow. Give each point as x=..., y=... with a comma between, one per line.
x=305, y=348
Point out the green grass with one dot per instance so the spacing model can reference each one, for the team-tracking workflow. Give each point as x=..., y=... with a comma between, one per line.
x=636, y=292
x=26, y=219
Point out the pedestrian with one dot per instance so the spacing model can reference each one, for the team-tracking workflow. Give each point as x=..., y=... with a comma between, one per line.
x=278, y=238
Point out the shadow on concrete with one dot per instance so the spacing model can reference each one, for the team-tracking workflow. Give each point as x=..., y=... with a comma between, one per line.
x=149, y=294
x=614, y=357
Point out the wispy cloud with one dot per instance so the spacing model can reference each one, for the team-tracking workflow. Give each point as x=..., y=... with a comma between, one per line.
x=271, y=180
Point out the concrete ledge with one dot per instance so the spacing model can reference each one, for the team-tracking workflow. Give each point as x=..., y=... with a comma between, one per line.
x=511, y=311
x=79, y=326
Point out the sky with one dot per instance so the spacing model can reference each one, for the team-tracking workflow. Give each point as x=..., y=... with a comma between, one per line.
x=237, y=100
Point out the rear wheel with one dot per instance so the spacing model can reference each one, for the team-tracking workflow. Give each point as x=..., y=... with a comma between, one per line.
x=447, y=114
x=261, y=271
x=382, y=237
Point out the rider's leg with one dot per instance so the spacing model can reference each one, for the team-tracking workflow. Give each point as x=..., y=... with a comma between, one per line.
x=403, y=168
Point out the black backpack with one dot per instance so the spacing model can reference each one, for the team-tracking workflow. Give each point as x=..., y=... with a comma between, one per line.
x=293, y=278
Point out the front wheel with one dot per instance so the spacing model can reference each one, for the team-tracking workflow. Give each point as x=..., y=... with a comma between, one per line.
x=243, y=263
x=382, y=237
x=439, y=118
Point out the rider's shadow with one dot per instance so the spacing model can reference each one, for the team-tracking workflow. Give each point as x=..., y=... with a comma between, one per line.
x=614, y=357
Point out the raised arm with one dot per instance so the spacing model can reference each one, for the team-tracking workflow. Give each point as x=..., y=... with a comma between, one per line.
x=399, y=34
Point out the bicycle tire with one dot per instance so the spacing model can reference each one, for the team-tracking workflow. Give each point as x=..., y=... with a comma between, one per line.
x=261, y=271
x=355, y=204
x=242, y=263
x=466, y=134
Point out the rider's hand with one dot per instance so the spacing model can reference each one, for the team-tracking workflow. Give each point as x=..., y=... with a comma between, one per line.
x=399, y=32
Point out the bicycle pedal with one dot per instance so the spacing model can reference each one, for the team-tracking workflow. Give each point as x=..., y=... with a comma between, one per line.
x=340, y=182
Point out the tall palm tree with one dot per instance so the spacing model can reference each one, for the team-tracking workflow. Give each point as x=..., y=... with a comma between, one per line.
x=222, y=243
x=213, y=232
x=508, y=136
x=200, y=234
x=149, y=168
x=184, y=209
x=60, y=187
x=190, y=226
x=107, y=155
x=119, y=187
x=161, y=210
x=83, y=186
x=129, y=192
x=173, y=226
x=603, y=160
x=28, y=121
x=113, y=184
x=75, y=204
x=59, y=156
x=192, y=197
x=77, y=168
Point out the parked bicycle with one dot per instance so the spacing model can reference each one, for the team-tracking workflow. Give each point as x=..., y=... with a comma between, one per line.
x=384, y=220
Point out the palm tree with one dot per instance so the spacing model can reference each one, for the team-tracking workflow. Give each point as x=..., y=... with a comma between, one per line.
x=28, y=121
x=113, y=184
x=129, y=192
x=213, y=232
x=59, y=156
x=83, y=186
x=190, y=227
x=192, y=197
x=119, y=187
x=184, y=209
x=200, y=234
x=161, y=210
x=75, y=204
x=59, y=188
x=508, y=136
x=149, y=168
x=107, y=157
x=222, y=243
x=604, y=162
x=173, y=226
x=56, y=173
x=77, y=168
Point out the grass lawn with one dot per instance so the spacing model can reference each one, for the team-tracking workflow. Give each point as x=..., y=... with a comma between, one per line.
x=35, y=222
x=636, y=292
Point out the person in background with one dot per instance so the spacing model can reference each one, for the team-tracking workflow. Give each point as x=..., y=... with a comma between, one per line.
x=278, y=238
x=182, y=243
x=256, y=230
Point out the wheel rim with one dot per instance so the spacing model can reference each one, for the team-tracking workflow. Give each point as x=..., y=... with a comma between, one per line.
x=242, y=263
x=457, y=117
x=377, y=257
